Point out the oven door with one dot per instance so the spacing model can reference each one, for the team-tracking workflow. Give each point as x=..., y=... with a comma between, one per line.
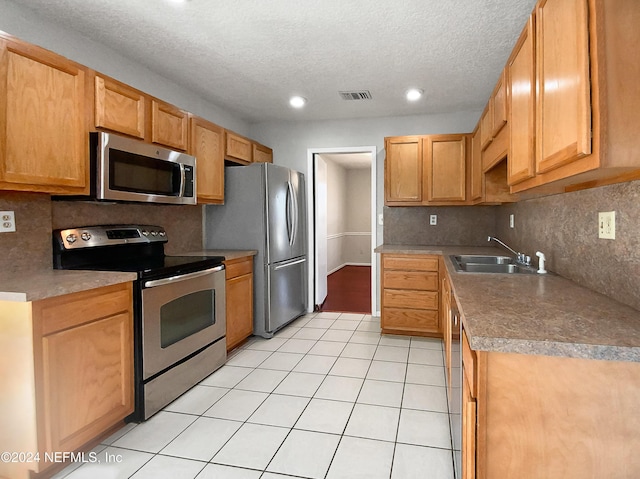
x=180, y=316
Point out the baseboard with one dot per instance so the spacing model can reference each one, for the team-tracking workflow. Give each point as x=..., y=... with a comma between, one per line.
x=347, y=264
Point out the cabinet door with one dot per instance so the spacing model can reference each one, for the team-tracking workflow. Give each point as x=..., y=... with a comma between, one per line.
x=486, y=127
x=446, y=167
x=564, y=102
x=207, y=145
x=403, y=170
x=476, y=175
x=83, y=358
x=119, y=108
x=262, y=154
x=521, y=67
x=238, y=148
x=499, y=102
x=43, y=131
x=87, y=373
x=168, y=125
x=469, y=431
x=239, y=296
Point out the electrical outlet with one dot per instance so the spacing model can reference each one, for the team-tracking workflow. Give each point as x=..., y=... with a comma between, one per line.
x=7, y=221
x=433, y=220
x=607, y=225
x=511, y=220
x=380, y=219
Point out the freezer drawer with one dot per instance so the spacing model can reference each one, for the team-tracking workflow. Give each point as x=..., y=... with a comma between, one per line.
x=286, y=292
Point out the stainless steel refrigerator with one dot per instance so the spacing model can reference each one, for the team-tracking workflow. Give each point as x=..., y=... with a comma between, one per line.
x=265, y=210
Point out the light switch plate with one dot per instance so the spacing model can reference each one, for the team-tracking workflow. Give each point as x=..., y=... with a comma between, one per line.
x=433, y=220
x=607, y=225
x=511, y=220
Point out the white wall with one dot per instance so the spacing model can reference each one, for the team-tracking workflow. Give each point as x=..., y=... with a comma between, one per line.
x=31, y=27
x=336, y=215
x=357, y=243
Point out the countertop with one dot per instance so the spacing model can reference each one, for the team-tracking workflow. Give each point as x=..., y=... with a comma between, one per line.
x=536, y=314
x=47, y=283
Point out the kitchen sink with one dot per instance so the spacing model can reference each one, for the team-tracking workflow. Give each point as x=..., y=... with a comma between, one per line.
x=489, y=264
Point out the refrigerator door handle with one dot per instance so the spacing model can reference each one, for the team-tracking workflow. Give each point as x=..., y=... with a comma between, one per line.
x=290, y=213
x=286, y=265
x=294, y=197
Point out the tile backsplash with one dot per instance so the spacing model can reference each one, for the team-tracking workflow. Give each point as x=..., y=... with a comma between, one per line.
x=457, y=225
x=565, y=228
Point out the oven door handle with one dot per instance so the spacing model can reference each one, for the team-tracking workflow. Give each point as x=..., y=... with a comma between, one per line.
x=181, y=277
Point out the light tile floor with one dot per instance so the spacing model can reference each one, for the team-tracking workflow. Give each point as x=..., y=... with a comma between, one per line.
x=327, y=397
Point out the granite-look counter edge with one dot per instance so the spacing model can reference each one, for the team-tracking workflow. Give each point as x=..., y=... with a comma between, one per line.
x=45, y=284
x=536, y=314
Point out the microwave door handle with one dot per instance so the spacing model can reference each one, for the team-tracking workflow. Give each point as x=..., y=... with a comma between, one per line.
x=183, y=180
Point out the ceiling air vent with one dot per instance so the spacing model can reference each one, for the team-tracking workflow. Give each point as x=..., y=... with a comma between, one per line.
x=355, y=95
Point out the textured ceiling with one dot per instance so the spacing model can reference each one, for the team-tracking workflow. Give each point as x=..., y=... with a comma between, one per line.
x=249, y=56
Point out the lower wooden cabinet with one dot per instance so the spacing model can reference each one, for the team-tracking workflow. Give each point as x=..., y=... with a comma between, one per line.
x=534, y=416
x=410, y=303
x=239, y=297
x=75, y=379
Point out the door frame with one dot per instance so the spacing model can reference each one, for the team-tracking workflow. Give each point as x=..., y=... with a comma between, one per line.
x=311, y=223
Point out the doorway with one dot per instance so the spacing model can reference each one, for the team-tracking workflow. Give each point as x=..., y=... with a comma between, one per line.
x=342, y=212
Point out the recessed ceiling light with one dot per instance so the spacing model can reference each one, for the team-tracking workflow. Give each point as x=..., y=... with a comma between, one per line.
x=297, y=101
x=414, y=94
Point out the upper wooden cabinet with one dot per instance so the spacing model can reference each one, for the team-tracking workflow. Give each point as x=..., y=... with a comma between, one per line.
x=119, y=107
x=403, y=171
x=446, y=160
x=521, y=87
x=207, y=145
x=494, y=117
x=261, y=153
x=169, y=125
x=125, y=110
x=238, y=148
x=425, y=170
x=587, y=109
x=475, y=168
x=564, y=115
x=43, y=131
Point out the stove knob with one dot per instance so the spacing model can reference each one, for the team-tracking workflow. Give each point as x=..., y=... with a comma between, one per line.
x=145, y=232
x=86, y=236
x=163, y=233
x=154, y=233
x=71, y=238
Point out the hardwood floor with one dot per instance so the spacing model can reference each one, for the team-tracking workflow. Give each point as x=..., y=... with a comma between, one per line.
x=349, y=290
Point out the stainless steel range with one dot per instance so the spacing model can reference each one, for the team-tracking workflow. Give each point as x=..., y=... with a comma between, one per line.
x=179, y=305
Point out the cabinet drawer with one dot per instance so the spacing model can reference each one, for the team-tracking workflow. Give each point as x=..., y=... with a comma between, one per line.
x=74, y=309
x=410, y=320
x=412, y=280
x=394, y=298
x=469, y=365
x=411, y=262
x=239, y=267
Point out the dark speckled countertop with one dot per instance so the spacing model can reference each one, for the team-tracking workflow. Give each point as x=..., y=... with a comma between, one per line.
x=536, y=314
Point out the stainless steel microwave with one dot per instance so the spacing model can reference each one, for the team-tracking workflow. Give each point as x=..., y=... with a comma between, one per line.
x=123, y=169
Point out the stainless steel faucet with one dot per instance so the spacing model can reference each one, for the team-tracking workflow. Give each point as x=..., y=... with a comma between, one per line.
x=520, y=257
